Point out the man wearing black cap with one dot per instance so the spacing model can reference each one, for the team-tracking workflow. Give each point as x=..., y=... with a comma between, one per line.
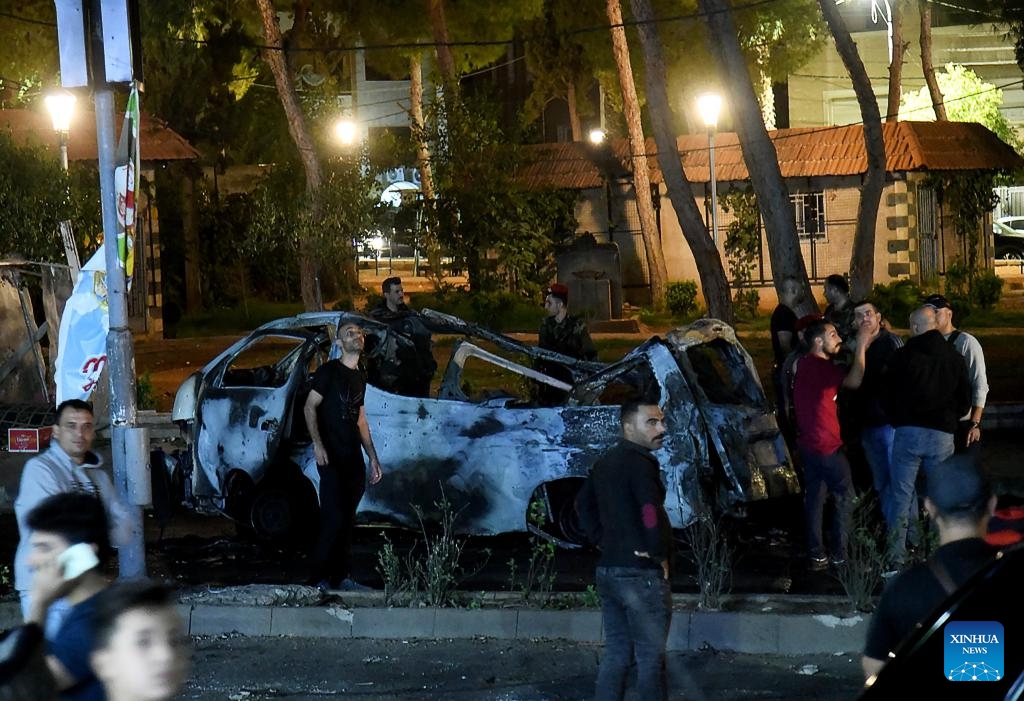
x=562, y=333
x=960, y=504
x=969, y=431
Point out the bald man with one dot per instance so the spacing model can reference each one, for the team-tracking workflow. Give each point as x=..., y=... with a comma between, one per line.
x=926, y=391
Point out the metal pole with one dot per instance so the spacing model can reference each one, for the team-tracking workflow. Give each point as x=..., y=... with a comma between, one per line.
x=714, y=188
x=64, y=151
x=120, y=354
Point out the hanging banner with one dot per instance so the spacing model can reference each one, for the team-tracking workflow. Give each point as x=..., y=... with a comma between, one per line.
x=82, y=343
x=126, y=184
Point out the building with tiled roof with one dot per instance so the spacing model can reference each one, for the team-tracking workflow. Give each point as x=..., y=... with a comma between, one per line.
x=157, y=144
x=823, y=167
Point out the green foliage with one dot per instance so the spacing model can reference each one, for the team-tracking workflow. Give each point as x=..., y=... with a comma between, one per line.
x=539, y=575
x=681, y=298
x=967, y=99
x=499, y=311
x=145, y=392
x=712, y=554
x=400, y=575
x=746, y=303
x=987, y=289
x=743, y=248
x=440, y=568
x=505, y=234
x=865, y=555
x=896, y=300
x=36, y=195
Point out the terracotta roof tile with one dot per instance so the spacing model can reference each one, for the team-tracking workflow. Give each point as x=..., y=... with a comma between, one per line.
x=157, y=142
x=802, y=152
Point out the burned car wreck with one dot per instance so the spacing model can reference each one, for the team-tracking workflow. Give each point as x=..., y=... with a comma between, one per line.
x=487, y=454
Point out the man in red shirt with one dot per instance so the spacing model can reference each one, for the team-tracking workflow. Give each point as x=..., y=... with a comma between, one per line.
x=816, y=385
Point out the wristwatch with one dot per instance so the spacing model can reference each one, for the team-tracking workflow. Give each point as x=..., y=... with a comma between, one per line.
x=975, y=425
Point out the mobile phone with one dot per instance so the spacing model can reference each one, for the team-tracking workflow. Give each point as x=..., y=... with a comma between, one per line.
x=77, y=560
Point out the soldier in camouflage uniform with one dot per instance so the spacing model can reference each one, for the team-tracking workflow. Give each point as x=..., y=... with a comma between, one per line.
x=400, y=370
x=565, y=334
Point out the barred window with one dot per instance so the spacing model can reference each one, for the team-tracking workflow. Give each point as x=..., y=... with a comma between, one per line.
x=810, y=214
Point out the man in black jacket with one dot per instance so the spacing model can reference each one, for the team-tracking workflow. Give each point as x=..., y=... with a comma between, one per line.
x=926, y=391
x=622, y=508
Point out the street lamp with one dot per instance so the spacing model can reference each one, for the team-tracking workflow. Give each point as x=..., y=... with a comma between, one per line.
x=709, y=106
x=61, y=105
x=346, y=131
x=596, y=136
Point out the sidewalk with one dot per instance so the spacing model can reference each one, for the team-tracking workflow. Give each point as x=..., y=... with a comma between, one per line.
x=298, y=611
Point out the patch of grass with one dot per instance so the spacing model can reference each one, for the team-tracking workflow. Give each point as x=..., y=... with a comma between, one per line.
x=221, y=322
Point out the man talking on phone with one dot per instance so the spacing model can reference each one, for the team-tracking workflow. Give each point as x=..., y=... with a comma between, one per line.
x=67, y=548
x=68, y=465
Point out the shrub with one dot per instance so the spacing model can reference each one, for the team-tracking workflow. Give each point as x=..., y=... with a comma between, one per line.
x=897, y=299
x=746, y=303
x=145, y=392
x=987, y=289
x=681, y=297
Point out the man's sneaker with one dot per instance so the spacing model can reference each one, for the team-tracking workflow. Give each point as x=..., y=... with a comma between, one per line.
x=837, y=562
x=349, y=584
x=819, y=563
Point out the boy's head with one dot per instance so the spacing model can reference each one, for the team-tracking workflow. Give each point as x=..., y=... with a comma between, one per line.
x=141, y=647
x=67, y=519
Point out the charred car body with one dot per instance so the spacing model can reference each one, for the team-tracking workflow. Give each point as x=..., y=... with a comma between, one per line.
x=489, y=457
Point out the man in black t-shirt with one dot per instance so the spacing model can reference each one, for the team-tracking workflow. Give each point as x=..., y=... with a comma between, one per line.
x=960, y=502
x=336, y=419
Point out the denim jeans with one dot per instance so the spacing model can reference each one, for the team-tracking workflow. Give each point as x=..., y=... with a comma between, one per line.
x=877, y=444
x=913, y=449
x=825, y=474
x=636, y=607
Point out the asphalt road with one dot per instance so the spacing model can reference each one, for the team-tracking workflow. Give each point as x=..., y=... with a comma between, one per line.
x=297, y=669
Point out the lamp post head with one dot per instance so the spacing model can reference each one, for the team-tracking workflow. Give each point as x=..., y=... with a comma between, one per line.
x=60, y=105
x=709, y=105
x=596, y=136
x=346, y=131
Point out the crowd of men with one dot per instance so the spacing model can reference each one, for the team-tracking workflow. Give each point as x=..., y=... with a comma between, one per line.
x=849, y=386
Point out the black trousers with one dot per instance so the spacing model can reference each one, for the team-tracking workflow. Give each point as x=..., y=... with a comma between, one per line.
x=342, y=484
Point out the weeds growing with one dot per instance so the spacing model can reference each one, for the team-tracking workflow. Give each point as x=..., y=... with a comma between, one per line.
x=712, y=554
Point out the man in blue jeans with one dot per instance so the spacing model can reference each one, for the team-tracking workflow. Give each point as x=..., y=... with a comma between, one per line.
x=927, y=390
x=816, y=384
x=868, y=414
x=622, y=508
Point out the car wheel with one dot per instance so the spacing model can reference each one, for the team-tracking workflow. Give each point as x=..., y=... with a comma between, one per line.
x=562, y=523
x=284, y=513
x=1010, y=253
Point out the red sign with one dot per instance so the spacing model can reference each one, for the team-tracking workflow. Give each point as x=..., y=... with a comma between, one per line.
x=28, y=440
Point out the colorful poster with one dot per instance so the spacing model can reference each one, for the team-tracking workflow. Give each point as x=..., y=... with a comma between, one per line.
x=126, y=185
x=82, y=343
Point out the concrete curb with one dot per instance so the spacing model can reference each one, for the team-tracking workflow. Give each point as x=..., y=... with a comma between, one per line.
x=742, y=632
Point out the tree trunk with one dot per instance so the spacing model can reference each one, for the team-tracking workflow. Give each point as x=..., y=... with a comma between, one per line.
x=638, y=158
x=862, y=262
x=574, y=112
x=899, y=47
x=758, y=152
x=442, y=44
x=273, y=54
x=713, y=280
x=927, y=67
x=423, y=163
x=418, y=126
